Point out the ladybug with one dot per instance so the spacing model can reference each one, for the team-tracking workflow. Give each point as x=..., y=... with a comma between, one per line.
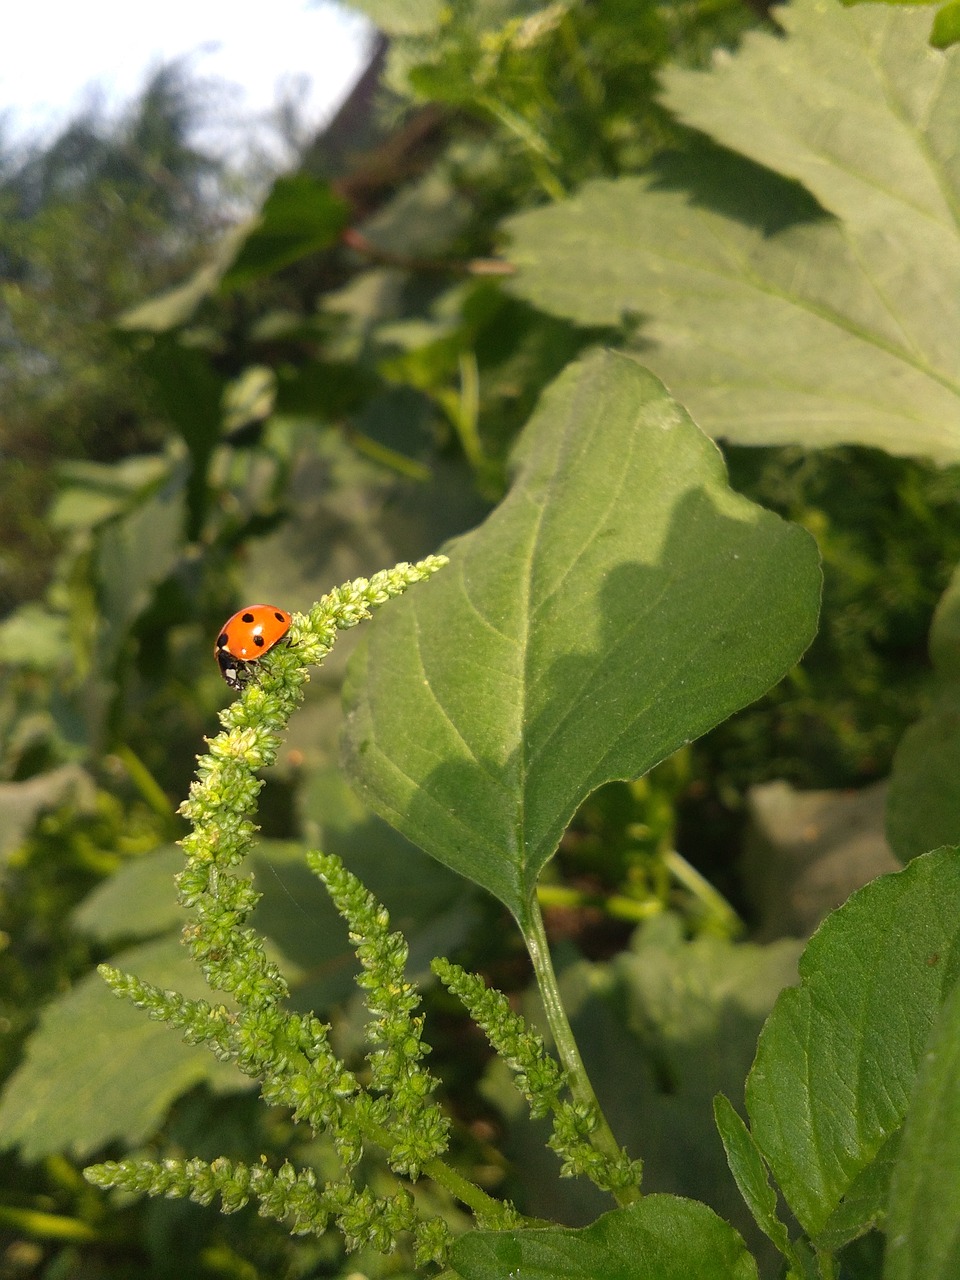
x=246, y=637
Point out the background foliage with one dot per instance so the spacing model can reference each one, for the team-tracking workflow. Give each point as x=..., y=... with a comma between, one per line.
x=198, y=412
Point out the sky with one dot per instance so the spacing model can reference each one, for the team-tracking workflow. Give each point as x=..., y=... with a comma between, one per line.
x=56, y=56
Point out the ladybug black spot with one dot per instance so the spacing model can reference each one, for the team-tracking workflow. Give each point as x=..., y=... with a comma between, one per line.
x=222, y=640
x=258, y=641
x=279, y=617
x=247, y=617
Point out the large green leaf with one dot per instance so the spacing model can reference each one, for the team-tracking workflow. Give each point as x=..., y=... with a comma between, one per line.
x=619, y=602
x=924, y=1224
x=826, y=329
x=659, y=1238
x=837, y=1059
x=97, y=1070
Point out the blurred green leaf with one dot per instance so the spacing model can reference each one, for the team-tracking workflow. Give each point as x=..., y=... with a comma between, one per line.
x=430, y=906
x=618, y=603
x=174, y=307
x=135, y=553
x=98, y=1070
x=91, y=492
x=422, y=220
x=34, y=636
x=433, y=908
x=412, y=18
x=838, y=1057
x=818, y=332
x=21, y=803
x=923, y=805
x=923, y=1230
x=189, y=392
x=946, y=21
x=946, y=25
x=139, y=900
x=659, y=1238
x=249, y=397
x=301, y=215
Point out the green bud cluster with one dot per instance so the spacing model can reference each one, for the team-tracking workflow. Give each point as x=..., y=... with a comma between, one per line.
x=418, y=1129
x=290, y=1054
x=541, y=1081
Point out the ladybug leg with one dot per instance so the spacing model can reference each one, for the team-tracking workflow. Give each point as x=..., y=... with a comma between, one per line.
x=232, y=669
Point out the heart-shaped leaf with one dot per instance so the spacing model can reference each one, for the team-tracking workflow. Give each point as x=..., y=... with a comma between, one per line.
x=621, y=601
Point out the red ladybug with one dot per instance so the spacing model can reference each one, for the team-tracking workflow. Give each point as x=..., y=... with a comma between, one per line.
x=246, y=637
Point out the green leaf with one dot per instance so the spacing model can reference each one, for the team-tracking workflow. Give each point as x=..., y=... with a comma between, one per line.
x=433, y=909
x=300, y=216
x=174, y=307
x=21, y=803
x=746, y=1165
x=772, y=324
x=34, y=637
x=946, y=25
x=923, y=805
x=98, y=1070
x=923, y=1231
x=619, y=602
x=854, y=105
x=135, y=553
x=91, y=492
x=838, y=1056
x=658, y=1238
x=139, y=900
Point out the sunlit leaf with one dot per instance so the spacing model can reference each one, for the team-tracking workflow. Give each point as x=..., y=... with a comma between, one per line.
x=746, y=1165
x=773, y=324
x=620, y=601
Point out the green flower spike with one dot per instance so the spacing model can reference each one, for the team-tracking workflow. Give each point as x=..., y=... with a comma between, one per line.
x=290, y=1053
x=541, y=1080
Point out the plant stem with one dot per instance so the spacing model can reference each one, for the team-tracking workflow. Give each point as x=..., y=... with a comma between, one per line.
x=602, y=1137
x=715, y=905
x=486, y=1209
x=615, y=905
